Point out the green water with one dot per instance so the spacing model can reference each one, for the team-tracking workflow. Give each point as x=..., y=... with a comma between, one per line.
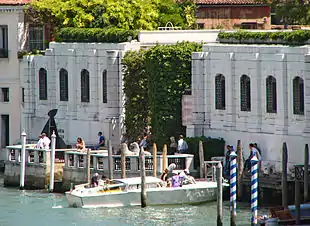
x=38, y=208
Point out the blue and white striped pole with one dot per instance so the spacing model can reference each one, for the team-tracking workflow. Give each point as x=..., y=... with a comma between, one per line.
x=254, y=189
x=233, y=186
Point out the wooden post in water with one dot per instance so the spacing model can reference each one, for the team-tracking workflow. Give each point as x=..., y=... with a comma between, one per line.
x=240, y=170
x=306, y=173
x=110, y=160
x=22, y=161
x=201, y=159
x=154, y=160
x=297, y=201
x=143, y=175
x=219, y=195
x=52, y=158
x=284, y=176
x=123, y=164
x=165, y=164
x=88, y=166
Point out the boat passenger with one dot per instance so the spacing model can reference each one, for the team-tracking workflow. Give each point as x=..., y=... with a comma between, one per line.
x=168, y=172
x=175, y=179
x=188, y=179
x=80, y=144
x=94, y=180
x=102, y=180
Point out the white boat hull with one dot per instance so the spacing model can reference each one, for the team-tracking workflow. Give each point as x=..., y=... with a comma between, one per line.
x=188, y=194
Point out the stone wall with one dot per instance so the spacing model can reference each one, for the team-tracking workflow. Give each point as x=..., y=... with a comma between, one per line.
x=269, y=130
x=76, y=118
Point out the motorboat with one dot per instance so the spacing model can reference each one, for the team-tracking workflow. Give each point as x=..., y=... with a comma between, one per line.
x=127, y=192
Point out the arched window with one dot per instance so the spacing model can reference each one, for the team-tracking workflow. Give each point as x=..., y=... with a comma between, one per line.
x=245, y=93
x=104, y=87
x=63, y=85
x=271, y=94
x=85, y=92
x=298, y=96
x=42, y=84
x=220, y=92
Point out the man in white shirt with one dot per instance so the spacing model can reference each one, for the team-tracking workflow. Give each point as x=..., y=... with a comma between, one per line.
x=44, y=142
x=182, y=145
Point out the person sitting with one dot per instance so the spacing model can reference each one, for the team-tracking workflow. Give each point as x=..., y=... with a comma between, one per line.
x=189, y=179
x=167, y=172
x=175, y=180
x=80, y=144
x=101, y=181
x=94, y=180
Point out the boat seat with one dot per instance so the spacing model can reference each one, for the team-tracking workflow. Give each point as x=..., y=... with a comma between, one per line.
x=273, y=210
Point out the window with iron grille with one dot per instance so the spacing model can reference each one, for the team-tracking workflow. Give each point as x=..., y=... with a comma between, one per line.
x=3, y=41
x=104, y=87
x=220, y=92
x=85, y=92
x=36, y=37
x=245, y=93
x=63, y=85
x=271, y=94
x=42, y=84
x=298, y=96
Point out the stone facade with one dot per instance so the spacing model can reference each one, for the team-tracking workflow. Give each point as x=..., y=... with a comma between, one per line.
x=287, y=118
x=76, y=118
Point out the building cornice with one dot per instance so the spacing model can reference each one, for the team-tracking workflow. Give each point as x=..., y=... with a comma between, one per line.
x=10, y=9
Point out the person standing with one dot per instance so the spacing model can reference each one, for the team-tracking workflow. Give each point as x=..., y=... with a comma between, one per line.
x=173, y=146
x=101, y=141
x=44, y=142
x=182, y=145
x=227, y=160
x=143, y=143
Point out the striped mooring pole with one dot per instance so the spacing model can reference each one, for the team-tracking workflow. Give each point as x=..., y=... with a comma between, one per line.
x=233, y=186
x=254, y=189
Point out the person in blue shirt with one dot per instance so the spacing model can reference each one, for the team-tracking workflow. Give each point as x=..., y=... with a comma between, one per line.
x=101, y=140
x=144, y=143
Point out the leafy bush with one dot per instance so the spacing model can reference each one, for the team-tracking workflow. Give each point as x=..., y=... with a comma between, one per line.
x=155, y=80
x=107, y=35
x=289, y=37
x=211, y=147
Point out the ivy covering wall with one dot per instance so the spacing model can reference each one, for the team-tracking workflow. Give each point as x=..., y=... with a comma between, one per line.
x=154, y=82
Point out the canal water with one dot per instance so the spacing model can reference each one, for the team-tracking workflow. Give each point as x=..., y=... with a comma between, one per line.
x=38, y=208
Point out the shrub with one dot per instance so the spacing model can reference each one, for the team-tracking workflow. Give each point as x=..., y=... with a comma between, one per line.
x=107, y=35
x=289, y=37
x=211, y=147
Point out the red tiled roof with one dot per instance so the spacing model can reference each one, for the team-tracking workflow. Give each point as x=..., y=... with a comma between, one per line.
x=228, y=2
x=14, y=2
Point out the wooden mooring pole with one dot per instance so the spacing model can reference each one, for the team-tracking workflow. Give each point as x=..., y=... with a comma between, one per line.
x=240, y=170
x=154, y=160
x=219, y=172
x=143, y=175
x=88, y=166
x=165, y=164
x=110, y=160
x=306, y=173
x=123, y=164
x=284, y=176
x=201, y=159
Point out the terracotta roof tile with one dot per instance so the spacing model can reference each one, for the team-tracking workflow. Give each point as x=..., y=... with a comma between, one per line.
x=14, y=2
x=228, y=2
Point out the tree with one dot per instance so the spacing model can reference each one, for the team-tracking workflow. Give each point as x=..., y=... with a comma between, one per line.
x=126, y=14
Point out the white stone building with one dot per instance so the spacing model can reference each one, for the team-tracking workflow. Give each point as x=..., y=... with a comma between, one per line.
x=103, y=108
x=254, y=93
x=84, y=82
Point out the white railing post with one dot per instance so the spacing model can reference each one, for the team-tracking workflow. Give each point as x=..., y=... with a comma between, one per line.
x=23, y=160
x=52, y=159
